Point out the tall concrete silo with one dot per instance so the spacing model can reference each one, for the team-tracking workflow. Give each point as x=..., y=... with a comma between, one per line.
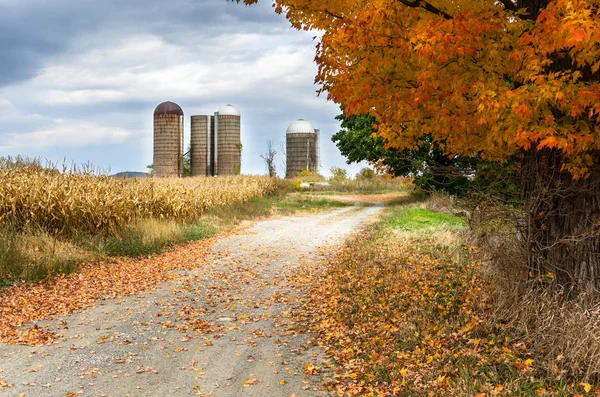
x=318, y=148
x=201, y=145
x=168, y=140
x=228, y=148
x=302, y=148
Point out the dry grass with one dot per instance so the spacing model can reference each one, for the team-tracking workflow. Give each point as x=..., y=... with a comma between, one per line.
x=34, y=256
x=441, y=231
x=565, y=332
x=438, y=238
x=382, y=198
x=153, y=231
x=370, y=185
x=43, y=247
x=563, y=329
x=447, y=239
x=441, y=202
x=359, y=185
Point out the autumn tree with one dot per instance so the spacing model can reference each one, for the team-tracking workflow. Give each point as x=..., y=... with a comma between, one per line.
x=495, y=78
x=338, y=174
x=428, y=164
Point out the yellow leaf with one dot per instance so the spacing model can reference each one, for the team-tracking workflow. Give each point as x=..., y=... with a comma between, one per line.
x=586, y=386
x=250, y=382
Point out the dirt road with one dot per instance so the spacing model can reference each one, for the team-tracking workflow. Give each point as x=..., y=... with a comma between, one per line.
x=219, y=330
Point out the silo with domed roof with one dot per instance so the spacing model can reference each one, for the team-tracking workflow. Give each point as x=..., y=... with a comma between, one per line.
x=302, y=148
x=228, y=148
x=168, y=140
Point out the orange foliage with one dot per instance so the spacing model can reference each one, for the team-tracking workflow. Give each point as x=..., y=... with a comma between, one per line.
x=479, y=76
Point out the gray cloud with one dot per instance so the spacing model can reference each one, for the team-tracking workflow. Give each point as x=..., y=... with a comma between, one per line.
x=32, y=30
x=80, y=79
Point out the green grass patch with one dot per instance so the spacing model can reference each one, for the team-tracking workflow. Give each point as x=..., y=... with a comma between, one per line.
x=421, y=219
x=132, y=246
x=152, y=237
x=199, y=231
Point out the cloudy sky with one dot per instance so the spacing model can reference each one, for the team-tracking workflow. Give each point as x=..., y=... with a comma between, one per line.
x=79, y=79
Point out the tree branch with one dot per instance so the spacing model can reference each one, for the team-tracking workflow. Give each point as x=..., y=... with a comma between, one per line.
x=509, y=5
x=427, y=7
x=333, y=15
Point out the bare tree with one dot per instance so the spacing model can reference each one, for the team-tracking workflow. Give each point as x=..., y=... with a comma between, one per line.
x=269, y=158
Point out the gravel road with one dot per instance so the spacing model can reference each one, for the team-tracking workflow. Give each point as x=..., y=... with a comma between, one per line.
x=219, y=330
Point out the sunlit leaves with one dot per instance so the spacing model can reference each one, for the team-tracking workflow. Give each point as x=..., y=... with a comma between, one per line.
x=488, y=81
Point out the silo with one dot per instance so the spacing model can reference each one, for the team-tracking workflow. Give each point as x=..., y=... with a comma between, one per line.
x=201, y=145
x=168, y=140
x=318, y=149
x=228, y=150
x=301, y=148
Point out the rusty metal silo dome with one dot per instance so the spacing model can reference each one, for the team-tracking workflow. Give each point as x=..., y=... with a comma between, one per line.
x=168, y=140
x=168, y=108
x=302, y=148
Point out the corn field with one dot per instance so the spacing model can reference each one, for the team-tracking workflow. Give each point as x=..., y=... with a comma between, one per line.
x=66, y=202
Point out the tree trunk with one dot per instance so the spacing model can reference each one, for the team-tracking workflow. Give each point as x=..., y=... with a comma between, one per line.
x=562, y=221
x=562, y=215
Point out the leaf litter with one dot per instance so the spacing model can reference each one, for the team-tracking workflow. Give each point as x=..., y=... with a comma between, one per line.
x=23, y=304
